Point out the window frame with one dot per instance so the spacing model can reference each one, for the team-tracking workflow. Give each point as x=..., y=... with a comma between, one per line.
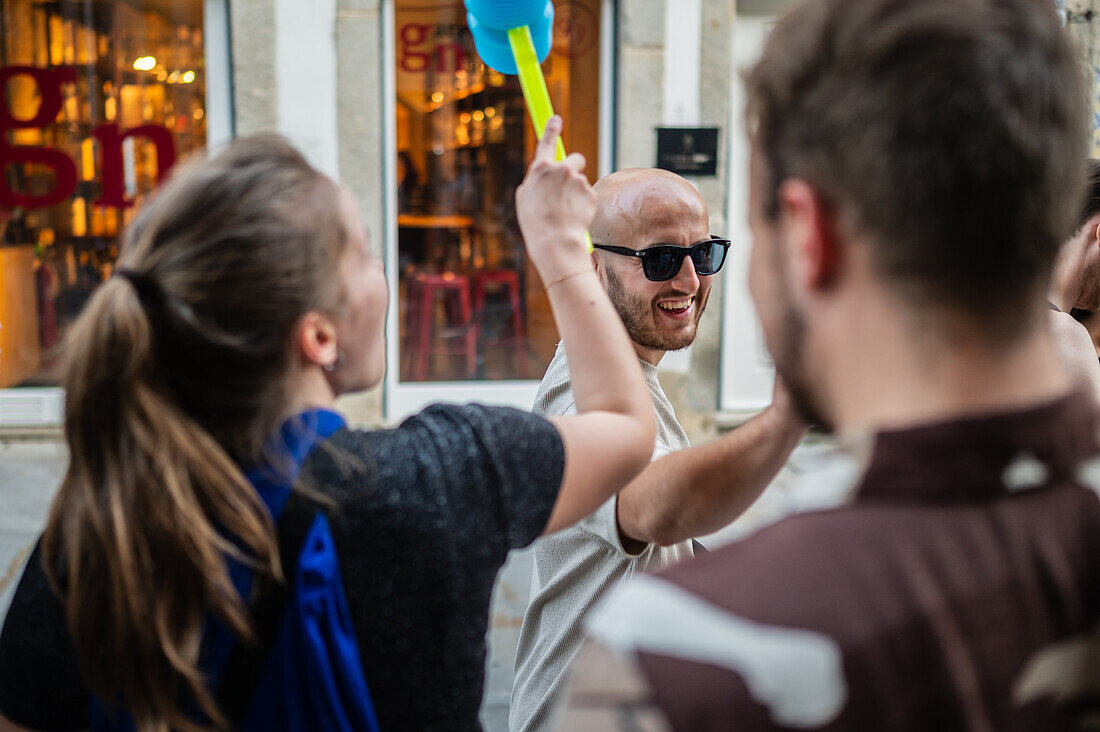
x=747, y=372
x=401, y=399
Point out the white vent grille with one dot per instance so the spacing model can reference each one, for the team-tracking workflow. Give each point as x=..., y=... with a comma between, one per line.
x=31, y=407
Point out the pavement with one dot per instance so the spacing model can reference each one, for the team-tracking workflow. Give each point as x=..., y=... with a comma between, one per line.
x=29, y=475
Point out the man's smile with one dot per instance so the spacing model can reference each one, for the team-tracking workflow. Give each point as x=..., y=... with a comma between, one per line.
x=677, y=308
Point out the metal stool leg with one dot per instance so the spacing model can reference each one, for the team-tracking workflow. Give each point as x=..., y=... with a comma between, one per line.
x=471, y=333
x=425, y=326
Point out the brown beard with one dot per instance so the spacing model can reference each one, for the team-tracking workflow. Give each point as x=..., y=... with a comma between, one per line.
x=637, y=317
x=789, y=359
x=791, y=367
x=1090, y=290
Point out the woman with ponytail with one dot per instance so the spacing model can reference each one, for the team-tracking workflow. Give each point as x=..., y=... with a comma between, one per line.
x=201, y=381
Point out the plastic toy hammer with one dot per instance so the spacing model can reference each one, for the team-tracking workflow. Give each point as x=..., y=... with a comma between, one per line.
x=514, y=37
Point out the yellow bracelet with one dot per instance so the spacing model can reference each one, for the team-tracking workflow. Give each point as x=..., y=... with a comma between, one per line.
x=563, y=278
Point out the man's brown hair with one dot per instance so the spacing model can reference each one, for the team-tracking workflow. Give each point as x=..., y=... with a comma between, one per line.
x=950, y=134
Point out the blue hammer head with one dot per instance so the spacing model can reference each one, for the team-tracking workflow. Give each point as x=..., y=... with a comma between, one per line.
x=490, y=21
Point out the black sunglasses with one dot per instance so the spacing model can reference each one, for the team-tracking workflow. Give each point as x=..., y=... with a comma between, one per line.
x=661, y=262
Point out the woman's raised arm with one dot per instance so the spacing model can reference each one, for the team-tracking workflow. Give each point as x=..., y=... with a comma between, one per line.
x=611, y=438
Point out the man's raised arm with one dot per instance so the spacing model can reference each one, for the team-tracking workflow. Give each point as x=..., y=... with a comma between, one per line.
x=698, y=490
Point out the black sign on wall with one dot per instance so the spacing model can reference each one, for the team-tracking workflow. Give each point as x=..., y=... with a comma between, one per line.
x=688, y=150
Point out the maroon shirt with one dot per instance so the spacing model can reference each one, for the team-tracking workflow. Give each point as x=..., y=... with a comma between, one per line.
x=957, y=589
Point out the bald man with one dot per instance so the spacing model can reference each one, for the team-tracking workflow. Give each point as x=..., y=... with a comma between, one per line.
x=686, y=492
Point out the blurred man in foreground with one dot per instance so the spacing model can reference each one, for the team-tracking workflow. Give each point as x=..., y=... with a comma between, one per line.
x=912, y=179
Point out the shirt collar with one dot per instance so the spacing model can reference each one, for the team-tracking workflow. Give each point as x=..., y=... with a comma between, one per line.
x=983, y=456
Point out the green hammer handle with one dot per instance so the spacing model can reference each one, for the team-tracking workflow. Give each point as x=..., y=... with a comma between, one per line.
x=535, y=93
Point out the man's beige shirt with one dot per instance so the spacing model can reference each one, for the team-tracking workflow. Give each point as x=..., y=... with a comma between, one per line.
x=578, y=566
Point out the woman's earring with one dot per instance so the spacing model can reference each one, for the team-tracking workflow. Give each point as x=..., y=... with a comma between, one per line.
x=330, y=367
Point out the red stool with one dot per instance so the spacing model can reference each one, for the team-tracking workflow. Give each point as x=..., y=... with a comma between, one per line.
x=508, y=281
x=423, y=291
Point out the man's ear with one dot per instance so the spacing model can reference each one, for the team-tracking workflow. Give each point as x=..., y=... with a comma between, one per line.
x=814, y=249
x=597, y=265
x=316, y=339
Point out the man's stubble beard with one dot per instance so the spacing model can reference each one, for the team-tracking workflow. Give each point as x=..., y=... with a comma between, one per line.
x=1090, y=290
x=637, y=317
x=790, y=360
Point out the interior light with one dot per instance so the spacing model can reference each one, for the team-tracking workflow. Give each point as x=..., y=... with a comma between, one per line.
x=145, y=63
x=187, y=77
x=437, y=97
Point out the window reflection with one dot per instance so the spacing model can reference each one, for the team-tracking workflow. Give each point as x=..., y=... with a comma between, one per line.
x=99, y=99
x=470, y=305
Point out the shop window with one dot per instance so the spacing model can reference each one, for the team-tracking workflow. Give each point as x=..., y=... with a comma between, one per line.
x=100, y=98
x=470, y=305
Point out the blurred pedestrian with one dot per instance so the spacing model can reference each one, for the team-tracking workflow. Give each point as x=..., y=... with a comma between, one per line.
x=1075, y=287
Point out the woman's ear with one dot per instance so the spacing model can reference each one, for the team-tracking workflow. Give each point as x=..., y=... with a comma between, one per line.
x=316, y=339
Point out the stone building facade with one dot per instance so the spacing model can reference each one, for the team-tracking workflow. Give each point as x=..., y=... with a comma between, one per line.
x=355, y=89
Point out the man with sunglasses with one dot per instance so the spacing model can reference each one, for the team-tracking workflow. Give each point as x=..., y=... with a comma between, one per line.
x=656, y=258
